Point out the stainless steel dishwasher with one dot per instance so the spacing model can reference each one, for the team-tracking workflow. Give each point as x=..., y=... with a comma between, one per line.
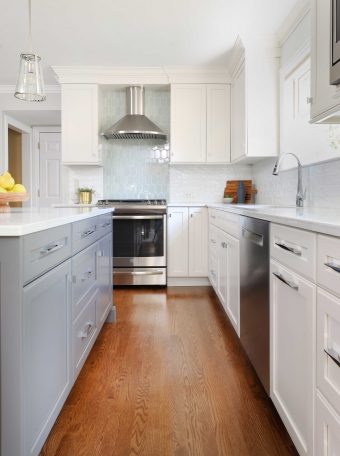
x=254, y=295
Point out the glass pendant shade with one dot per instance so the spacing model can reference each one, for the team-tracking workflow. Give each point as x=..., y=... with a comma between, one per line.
x=30, y=85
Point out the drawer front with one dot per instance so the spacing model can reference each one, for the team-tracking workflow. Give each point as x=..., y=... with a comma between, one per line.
x=328, y=347
x=230, y=223
x=328, y=263
x=46, y=249
x=295, y=248
x=327, y=429
x=104, y=224
x=84, y=233
x=84, y=276
x=84, y=330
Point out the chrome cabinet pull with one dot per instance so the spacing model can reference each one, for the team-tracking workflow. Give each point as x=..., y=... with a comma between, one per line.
x=333, y=266
x=51, y=248
x=104, y=225
x=86, y=233
x=333, y=355
x=289, y=249
x=285, y=281
x=84, y=334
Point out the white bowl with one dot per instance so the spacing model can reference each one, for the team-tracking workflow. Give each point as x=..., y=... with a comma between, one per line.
x=227, y=200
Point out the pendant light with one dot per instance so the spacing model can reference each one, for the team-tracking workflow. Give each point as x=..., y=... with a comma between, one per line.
x=30, y=85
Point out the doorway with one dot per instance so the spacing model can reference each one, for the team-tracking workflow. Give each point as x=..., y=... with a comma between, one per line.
x=15, y=158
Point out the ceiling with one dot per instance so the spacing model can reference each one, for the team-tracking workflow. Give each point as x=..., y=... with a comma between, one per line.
x=131, y=32
x=36, y=117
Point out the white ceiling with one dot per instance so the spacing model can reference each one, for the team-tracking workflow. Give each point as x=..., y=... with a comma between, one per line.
x=131, y=32
x=37, y=117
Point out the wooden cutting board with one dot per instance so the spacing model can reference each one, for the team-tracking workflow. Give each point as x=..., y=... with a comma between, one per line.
x=231, y=189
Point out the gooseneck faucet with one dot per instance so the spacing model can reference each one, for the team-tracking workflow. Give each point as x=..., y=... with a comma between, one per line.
x=301, y=194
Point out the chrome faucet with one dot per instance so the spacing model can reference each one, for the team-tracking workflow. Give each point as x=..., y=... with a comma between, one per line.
x=301, y=194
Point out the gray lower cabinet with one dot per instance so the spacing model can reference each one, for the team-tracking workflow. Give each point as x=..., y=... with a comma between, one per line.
x=55, y=298
x=46, y=353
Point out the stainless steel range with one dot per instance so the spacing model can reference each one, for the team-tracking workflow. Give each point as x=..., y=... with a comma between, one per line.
x=139, y=241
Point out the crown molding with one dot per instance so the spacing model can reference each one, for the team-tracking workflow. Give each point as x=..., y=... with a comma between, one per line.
x=139, y=75
x=11, y=88
x=290, y=23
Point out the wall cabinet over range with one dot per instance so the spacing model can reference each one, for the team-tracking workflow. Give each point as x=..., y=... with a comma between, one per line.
x=56, y=292
x=200, y=123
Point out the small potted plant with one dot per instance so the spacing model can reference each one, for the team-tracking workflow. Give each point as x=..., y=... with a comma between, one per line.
x=228, y=198
x=85, y=195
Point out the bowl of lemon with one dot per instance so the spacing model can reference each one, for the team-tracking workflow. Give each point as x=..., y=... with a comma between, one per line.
x=10, y=192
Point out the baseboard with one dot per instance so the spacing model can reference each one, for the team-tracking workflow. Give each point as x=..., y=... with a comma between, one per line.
x=111, y=317
x=188, y=281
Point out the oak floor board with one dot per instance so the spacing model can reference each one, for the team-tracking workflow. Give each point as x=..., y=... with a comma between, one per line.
x=170, y=378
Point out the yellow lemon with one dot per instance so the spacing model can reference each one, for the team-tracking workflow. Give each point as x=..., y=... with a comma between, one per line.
x=18, y=188
x=3, y=190
x=6, y=181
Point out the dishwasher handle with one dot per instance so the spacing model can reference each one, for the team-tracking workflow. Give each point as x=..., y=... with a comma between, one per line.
x=253, y=237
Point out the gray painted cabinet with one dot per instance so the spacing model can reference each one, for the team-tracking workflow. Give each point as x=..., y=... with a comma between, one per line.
x=54, y=299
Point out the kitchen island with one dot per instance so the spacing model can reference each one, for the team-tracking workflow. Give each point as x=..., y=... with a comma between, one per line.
x=56, y=293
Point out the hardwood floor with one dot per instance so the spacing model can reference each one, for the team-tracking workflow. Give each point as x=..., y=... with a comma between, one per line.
x=169, y=378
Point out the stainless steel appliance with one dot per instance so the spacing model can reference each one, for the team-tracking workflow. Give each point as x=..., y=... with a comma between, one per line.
x=335, y=43
x=139, y=241
x=254, y=295
x=135, y=125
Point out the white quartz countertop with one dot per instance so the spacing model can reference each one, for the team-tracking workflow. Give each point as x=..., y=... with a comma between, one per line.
x=320, y=220
x=23, y=221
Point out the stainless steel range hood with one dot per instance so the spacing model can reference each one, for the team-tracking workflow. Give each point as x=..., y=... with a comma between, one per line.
x=135, y=125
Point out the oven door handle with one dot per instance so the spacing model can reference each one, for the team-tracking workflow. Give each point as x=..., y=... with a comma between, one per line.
x=139, y=273
x=137, y=217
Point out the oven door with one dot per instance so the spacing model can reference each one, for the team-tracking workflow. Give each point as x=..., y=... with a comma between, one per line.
x=335, y=42
x=139, y=240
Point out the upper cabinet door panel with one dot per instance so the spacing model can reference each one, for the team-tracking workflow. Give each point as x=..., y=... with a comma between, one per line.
x=218, y=123
x=238, y=115
x=188, y=123
x=80, y=124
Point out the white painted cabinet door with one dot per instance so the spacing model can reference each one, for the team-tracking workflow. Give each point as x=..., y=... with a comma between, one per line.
x=178, y=242
x=188, y=123
x=46, y=353
x=327, y=428
x=222, y=267
x=198, y=242
x=292, y=327
x=325, y=96
x=238, y=115
x=233, y=282
x=50, y=185
x=218, y=123
x=104, y=279
x=79, y=120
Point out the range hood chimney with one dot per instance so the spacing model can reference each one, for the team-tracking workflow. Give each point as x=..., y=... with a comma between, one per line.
x=135, y=125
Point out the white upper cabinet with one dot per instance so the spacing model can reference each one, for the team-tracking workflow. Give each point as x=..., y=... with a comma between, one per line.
x=79, y=120
x=325, y=97
x=200, y=123
x=254, y=100
x=218, y=123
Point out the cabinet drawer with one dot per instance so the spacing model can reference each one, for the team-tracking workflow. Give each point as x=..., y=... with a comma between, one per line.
x=46, y=249
x=84, y=330
x=84, y=276
x=104, y=224
x=328, y=263
x=84, y=233
x=230, y=223
x=328, y=347
x=294, y=248
x=327, y=428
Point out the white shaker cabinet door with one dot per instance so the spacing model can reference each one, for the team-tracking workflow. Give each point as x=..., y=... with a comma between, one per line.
x=218, y=123
x=46, y=350
x=292, y=326
x=178, y=242
x=233, y=282
x=238, y=115
x=104, y=279
x=188, y=123
x=198, y=242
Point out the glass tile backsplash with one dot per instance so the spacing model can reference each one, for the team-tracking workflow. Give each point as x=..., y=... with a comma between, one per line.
x=128, y=168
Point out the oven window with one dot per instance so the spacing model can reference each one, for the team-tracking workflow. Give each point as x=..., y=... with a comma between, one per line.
x=138, y=238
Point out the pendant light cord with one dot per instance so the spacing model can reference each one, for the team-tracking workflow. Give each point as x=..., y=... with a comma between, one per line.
x=30, y=25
